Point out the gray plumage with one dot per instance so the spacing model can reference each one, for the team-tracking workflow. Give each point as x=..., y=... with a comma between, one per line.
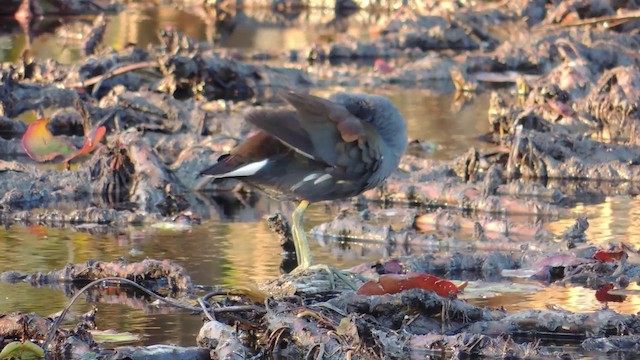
x=321, y=150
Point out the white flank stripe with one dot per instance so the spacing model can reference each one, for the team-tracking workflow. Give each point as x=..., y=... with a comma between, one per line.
x=246, y=170
x=322, y=178
x=296, y=186
x=311, y=177
x=306, y=178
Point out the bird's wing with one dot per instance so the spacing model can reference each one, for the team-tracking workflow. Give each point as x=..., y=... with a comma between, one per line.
x=284, y=125
x=329, y=122
x=248, y=157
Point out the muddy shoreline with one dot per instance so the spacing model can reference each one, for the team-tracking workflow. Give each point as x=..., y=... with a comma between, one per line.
x=564, y=93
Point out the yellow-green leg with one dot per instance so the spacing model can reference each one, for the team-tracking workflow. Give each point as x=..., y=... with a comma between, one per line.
x=303, y=251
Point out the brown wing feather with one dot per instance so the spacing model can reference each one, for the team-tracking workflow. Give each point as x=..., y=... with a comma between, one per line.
x=329, y=124
x=316, y=109
x=284, y=125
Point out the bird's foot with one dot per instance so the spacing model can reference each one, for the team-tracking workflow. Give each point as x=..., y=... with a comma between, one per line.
x=333, y=274
x=303, y=252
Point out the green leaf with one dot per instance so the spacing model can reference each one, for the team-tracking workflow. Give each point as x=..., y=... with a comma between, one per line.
x=21, y=350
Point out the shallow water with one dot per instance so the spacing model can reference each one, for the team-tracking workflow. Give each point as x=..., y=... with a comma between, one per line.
x=237, y=248
x=251, y=30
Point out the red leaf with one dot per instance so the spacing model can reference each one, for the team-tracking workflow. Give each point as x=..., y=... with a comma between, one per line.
x=395, y=283
x=603, y=295
x=90, y=143
x=40, y=144
x=608, y=255
x=37, y=230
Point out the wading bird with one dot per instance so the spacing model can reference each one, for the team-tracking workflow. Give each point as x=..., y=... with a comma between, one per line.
x=320, y=150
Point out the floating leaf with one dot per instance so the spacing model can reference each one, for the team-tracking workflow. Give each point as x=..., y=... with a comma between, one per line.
x=41, y=145
x=171, y=226
x=38, y=230
x=624, y=292
x=395, y=283
x=463, y=286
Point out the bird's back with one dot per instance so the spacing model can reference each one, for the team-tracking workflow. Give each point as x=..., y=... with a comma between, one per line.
x=321, y=151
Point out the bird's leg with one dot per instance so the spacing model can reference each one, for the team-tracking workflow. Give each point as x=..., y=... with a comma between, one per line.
x=303, y=252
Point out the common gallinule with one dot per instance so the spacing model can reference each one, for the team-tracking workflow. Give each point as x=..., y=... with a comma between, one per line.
x=322, y=150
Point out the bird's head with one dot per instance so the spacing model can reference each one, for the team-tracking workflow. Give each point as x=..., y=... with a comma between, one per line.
x=380, y=112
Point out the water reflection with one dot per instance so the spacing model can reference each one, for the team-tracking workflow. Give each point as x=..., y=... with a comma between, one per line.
x=574, y=299
x=615, y=219
x=138, y=24
x=431, y=118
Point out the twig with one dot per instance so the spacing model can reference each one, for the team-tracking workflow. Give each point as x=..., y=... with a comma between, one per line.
x=171, y=302
x=210, y=315
x=118, y=71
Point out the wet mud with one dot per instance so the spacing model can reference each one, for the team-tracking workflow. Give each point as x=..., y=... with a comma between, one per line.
x=564, y=90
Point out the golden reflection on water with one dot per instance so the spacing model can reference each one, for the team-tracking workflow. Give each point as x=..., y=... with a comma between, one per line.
x=570, y=298
x=253, y=254
x=616, y=219
x=140, y=25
